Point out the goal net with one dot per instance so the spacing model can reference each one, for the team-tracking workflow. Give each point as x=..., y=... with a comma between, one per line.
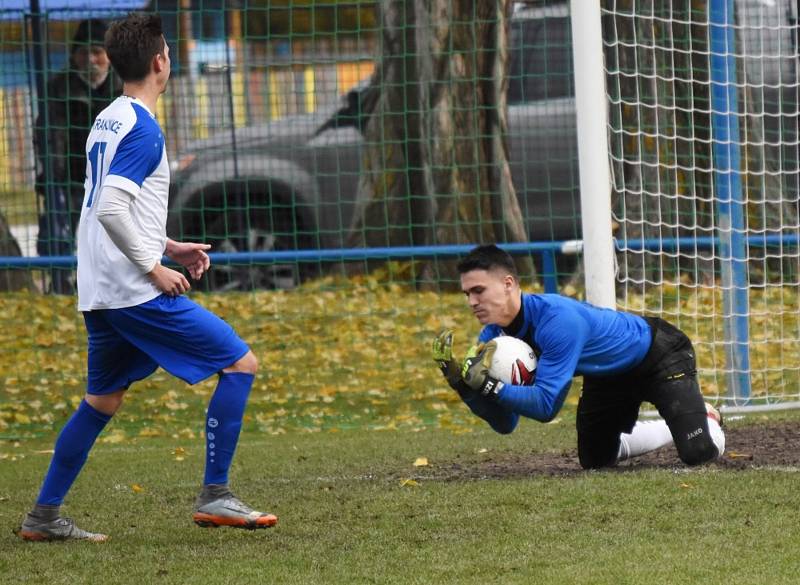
x=703, y=141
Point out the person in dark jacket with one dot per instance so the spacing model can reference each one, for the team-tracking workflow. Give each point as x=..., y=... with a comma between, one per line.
x=74, y=98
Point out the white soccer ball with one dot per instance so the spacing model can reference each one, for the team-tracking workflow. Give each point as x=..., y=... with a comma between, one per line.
x=514, y=362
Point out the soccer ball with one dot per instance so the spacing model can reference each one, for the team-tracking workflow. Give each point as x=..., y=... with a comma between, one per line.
x=514, y=362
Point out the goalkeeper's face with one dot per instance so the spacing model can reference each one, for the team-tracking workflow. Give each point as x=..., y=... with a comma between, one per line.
x=493, y=296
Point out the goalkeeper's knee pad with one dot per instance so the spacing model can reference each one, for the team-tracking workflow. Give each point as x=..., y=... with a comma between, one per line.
x=693, y=439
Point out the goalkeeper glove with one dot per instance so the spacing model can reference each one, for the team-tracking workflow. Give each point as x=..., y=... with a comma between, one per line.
x=475, y=370
x=442, y=353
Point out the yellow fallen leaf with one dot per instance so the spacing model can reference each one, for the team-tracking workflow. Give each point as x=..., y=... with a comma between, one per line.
x=408, y=483
x=179, y=453
x=150, y=432
x=137, y=489
x=484, y=450
x=22, y=419
x=115, y=437
x=735, y=455
x=686, y=486
x=421, y=462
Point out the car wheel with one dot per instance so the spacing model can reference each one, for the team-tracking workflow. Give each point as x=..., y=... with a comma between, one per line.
x=265, y=230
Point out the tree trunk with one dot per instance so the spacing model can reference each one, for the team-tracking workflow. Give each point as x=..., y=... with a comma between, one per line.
x=13, y=279
x=436, y=165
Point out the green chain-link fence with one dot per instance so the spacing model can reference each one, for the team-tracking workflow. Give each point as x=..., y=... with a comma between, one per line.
x=273, y=114
x=327, y=151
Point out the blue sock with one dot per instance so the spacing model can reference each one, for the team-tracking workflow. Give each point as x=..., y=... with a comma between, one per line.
x=223, y=423
x=71, y=450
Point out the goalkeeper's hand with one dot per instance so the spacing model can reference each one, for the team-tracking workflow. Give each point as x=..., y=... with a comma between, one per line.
x=475, y=371
x=442, y=354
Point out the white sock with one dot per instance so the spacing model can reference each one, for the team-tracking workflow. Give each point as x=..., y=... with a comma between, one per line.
x=717, y=435
x=646, y=436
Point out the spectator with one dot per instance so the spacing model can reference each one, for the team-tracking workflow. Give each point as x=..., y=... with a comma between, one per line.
x=74, y=98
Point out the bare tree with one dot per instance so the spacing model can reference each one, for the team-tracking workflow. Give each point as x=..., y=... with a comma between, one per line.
x=435, y=167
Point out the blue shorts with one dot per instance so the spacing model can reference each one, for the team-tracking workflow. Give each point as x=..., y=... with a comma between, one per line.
x=188, y=341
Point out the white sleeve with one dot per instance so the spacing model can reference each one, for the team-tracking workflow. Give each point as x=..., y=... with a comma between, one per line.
x=114, y=214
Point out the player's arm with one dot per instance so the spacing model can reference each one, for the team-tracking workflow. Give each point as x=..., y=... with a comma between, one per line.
x=114, y=214
x=138, y=155
x=561, y=340
x=500, y=419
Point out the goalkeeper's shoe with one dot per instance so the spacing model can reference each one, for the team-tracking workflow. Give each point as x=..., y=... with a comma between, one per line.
x=714, y=414
x=59, y=529
x=229, y=510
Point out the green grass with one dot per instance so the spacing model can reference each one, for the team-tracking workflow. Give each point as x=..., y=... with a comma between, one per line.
x=345, y=401
x=345, y=516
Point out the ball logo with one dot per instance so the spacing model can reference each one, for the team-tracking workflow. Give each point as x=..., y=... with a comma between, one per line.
x=211, y=436
x=213, y=423
x=520, y=375
x=513, y=362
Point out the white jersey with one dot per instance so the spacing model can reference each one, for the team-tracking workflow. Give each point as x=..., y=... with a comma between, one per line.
x=125, y=149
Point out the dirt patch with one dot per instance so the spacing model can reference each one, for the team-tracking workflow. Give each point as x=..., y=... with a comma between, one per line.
x=747, y=447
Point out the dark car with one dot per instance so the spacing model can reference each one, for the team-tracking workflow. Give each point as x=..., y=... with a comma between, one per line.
x=293, y=183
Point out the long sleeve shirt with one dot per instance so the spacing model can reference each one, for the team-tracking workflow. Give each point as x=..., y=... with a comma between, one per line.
x=570, y=338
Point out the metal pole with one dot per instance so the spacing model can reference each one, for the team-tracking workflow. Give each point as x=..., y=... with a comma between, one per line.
x=730, y=203
x=40, y=111
x=595, y=178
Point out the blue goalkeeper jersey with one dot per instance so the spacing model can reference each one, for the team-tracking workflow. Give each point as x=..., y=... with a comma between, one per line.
x=570, y=338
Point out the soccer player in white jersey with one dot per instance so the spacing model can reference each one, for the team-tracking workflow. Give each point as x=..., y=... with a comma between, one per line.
x=135, y=314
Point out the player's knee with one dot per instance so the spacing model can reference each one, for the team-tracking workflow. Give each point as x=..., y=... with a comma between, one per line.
x=693, y=439
x=698, y=450
x=597, y=451
x=588, y=462
x=106, y=403
x=591, y=456
x=247, y=364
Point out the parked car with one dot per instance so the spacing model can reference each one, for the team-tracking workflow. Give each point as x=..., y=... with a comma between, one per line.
x=293, y=183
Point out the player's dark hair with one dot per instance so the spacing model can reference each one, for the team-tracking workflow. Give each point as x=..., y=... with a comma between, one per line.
x=131, y=44
x=487, y=258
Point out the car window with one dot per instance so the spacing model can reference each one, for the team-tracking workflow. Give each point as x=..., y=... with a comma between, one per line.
x=541, y=59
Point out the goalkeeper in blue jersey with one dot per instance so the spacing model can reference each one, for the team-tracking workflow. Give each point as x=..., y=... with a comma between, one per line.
x=624, y=360
x=136, y=316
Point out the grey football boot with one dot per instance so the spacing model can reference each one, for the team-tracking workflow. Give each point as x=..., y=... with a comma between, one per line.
x=36, y=529
x=217, y=506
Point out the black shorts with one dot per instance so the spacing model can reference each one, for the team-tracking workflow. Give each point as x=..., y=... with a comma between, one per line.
x=667, y=378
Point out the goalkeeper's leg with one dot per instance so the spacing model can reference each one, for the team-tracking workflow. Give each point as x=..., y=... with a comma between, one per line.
x=646, y=436
x=607, y=411
x=695, y=426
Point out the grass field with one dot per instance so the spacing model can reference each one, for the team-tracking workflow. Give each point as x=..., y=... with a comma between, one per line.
x=345, y=404
x=353, y=508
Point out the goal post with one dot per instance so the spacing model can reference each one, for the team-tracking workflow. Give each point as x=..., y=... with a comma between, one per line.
x=595, y=179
